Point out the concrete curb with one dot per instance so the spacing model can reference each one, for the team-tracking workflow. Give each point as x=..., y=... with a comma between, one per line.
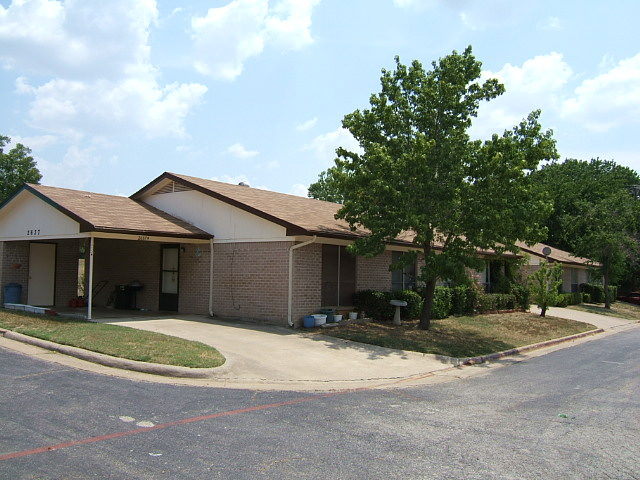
x=114, y=362
x=526, y=348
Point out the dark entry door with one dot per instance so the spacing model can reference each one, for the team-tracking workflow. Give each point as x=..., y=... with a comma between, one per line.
x=169, y=280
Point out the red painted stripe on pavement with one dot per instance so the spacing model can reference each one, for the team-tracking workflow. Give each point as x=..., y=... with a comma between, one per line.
x=184, y=421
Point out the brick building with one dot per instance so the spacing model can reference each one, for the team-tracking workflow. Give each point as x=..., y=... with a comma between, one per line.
x=188, y=245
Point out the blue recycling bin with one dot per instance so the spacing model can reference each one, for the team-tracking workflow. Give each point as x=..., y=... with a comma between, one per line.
x=12, y=293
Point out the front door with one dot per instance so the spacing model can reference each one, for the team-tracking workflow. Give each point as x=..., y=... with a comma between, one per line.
x=169, y=278
x=42, y=274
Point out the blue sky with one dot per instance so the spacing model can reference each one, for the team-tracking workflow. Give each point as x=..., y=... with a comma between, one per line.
x=109, y=94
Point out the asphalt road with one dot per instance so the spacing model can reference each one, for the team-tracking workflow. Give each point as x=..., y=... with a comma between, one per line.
x=570, y=414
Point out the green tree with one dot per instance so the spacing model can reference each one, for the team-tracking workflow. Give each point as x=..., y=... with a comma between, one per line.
x=325, y=188
x=16, y=168
x=544, y=284
x=421, y=174
x=596, y=215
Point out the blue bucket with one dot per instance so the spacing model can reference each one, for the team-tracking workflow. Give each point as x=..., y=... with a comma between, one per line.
x=12, y=293
x=309, y=321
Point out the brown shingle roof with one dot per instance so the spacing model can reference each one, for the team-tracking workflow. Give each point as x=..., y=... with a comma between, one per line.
x=299, y=215
x=114, y=214
x=303, y=216
x=556, y=254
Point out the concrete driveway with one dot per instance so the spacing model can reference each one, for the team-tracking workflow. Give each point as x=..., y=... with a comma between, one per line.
x=278, y=357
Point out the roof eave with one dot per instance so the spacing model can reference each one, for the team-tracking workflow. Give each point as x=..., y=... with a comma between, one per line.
x=152, y=233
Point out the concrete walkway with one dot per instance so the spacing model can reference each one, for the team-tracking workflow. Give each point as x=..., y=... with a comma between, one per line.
x=601, y=321
x=278, y=358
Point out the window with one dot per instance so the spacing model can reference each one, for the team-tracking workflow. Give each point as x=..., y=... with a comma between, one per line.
x=405, y=278
x=574, y=280
x=338, y=276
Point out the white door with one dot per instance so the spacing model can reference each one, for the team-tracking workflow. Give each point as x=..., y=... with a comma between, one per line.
x=42, y=274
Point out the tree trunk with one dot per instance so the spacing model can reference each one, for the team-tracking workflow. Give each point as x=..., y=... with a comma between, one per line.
x=429, y=292
x=543, y=311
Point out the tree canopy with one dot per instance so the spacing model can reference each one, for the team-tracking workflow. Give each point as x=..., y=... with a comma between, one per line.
x=596, y=214
x=420, y=171
x=17, y=167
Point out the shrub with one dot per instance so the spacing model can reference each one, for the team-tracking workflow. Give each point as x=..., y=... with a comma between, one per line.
x=506, y=301
x=459, y=297
x=441, y=303
x=597, y=292
x=487, y=302
x=377, y=304
x=567, y=299
x=586, y=297
x=522, y=296
x=374, y=303
x=414, y=302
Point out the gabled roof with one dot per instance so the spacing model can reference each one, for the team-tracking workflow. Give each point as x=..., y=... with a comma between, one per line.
x=96, y=212
x=556, y=254
x=299, y=215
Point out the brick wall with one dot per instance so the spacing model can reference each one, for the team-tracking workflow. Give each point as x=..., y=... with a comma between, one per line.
x=373, y=273
x=15, y=266
x=67, y=256
x=251, y=281
x=307, y=281
x=119, y=262
x=195, y=261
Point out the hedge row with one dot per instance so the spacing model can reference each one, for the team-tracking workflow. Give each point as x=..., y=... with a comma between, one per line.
x=466, y=301
x=595, y=293
x=588, y=293
x=447, y=301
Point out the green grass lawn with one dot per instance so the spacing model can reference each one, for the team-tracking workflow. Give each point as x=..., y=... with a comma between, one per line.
x=462, y=337
x=114, y=340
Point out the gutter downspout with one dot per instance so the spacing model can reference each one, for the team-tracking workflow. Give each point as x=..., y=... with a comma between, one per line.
x=211, y=278
x=290, y=305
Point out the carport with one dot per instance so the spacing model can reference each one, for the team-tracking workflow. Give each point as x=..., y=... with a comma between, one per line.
x=58, y=243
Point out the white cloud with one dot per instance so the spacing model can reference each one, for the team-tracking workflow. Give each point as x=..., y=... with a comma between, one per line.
x=538, y=83
x=307, y=125
x=239, y=151
x=73, y=107
x=609, y=100
x=95, y=59
x=77, y=39
x=290, y=24
x=75, y=171
x=35, y=143
x=228, y=36
x=324, y=146
x=300, y=190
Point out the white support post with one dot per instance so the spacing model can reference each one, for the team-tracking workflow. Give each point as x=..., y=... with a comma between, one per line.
x=90, y=300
